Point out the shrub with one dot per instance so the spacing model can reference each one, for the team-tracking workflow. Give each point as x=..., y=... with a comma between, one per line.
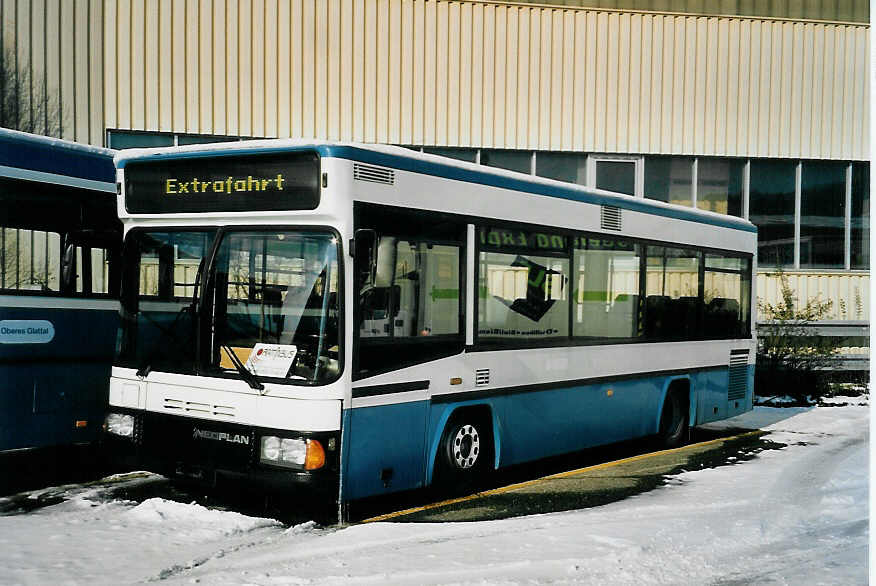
x=790, y=359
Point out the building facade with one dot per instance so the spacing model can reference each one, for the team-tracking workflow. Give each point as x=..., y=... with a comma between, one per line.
x=756, y=109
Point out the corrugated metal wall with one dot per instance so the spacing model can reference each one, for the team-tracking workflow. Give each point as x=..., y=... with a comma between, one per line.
x=59, y=43
x=842, y=10
x=850, y=292
x=492, y=75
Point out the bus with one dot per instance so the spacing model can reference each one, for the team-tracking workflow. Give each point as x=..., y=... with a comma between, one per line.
x=366, y=319
x=60, y=253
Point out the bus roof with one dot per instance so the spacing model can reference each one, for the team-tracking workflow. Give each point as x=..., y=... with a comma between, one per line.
x=409, y=160
x=51, y=160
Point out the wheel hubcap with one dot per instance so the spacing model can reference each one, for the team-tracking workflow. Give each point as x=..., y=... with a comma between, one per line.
x=466, y=446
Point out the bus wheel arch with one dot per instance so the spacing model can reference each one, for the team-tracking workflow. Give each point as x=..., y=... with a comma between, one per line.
x=466, y=447
x=674, y=421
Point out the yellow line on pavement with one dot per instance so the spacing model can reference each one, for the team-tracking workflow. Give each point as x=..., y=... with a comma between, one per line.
x=566, y=474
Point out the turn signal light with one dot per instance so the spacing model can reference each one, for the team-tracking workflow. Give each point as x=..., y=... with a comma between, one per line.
x=315, y=455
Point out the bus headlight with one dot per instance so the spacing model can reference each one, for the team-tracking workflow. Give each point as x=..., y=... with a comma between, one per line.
x=292, y=453
x=119, y=424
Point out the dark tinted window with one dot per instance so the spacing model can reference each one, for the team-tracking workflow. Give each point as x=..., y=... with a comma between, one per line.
x=719, y=185
x=772, y=210
x=520, y=161
x=569, y=167
x=822, y=215
x=669, y=179
x=860, y=235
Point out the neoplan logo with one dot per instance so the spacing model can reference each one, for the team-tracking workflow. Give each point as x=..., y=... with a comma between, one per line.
x=220, y=436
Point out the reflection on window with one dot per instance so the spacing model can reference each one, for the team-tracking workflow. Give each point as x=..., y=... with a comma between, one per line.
x=169, y=263
x=415, y=292
x=276, y=305
x=669, y=179
x=30, y=260
x=520, y=161
x=771, y=209
x=672, y=298
x=719, y=185
x=523, y=288
x=822, y=215
x=860, y=236
x=606, y=288
x=569, y=167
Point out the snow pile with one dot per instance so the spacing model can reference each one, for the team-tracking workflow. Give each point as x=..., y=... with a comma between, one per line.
x=200, y=522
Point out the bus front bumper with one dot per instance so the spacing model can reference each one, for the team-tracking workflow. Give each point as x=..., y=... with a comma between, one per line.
x=212, y=453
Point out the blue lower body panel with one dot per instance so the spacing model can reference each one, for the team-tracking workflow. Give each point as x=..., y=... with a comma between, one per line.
x=393, y=447
x=46, y=388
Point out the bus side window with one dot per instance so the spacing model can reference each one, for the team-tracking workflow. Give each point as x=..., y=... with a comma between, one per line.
x=30, y=260
x=408, y=269
x=415, y=291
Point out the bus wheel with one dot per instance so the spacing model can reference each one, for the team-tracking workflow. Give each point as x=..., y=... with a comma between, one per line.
x=673, y=421
x=466, y=450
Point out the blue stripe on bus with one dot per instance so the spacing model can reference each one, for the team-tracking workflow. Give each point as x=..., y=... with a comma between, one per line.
x=23, y=151
x=416, y=165
x=405, y=437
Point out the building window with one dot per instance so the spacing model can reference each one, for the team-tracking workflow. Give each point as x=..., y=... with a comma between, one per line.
x=617, y=175
x=719, y=185
x=771, y=209
x=669, y=179
x=860, y=228
x=520, y=161
x=822, y=214
x=470, y=155
x=569, y=167
x=136, y=139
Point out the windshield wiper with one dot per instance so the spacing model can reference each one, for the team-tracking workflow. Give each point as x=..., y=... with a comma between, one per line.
x=245, y=373
x=146, y=367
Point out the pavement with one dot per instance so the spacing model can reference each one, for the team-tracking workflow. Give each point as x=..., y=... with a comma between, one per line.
x=587, y=486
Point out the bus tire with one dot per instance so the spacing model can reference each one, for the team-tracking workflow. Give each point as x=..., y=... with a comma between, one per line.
x=465, y=453
x=674, y=425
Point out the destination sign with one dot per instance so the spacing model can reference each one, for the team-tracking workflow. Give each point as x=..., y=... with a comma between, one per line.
x=222, y=183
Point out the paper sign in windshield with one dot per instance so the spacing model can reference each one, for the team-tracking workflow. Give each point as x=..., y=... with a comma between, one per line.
x=274, y=360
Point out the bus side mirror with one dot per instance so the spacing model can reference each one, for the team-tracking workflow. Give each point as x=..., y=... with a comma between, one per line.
x=365, y=255
x=68, y=269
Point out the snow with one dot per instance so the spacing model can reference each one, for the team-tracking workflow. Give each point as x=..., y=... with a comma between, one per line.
x=796, y=515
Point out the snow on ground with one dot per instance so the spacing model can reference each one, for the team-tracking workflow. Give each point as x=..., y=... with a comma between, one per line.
x=792, y=516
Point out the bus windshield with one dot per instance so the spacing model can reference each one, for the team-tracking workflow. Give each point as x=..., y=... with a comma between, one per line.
x=159, y=285
x=274, y=297
x=266, y=308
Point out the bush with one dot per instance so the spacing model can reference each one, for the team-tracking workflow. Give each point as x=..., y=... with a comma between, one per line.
x=790, y=360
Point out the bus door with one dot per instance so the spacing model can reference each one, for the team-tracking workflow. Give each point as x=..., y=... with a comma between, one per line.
x=408, y=279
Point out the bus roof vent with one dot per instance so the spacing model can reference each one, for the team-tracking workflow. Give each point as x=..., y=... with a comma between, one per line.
x=373, y=174
x=611, y=218
x=738, y=383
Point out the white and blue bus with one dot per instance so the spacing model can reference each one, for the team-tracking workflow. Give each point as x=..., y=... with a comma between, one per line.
x=60, y=257
x=370, y=319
